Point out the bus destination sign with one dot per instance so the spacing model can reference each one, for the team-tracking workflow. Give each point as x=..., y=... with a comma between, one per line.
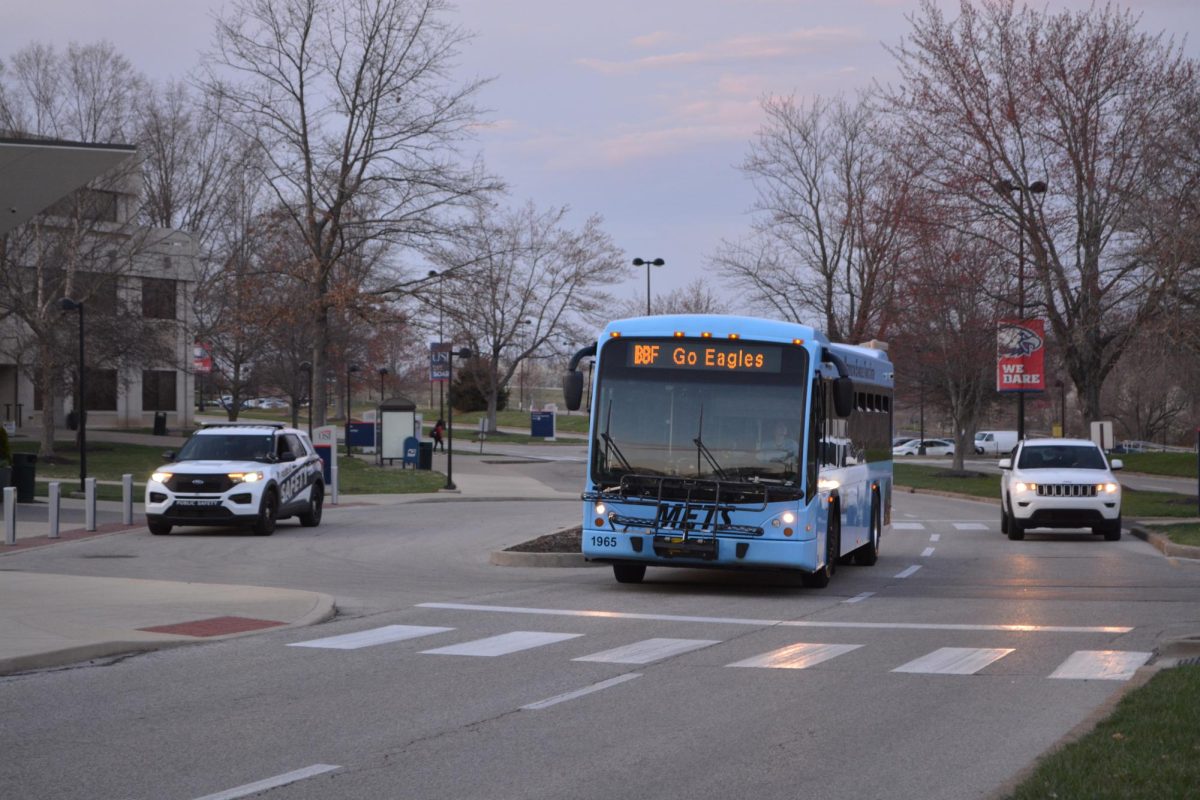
x=704, y=355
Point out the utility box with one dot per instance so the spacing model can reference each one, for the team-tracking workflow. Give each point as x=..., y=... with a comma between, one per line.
x=398, y=422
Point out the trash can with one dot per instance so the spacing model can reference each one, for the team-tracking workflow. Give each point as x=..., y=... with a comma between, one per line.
x=160, y=423
x=72, y=420
x=24, y=474
x=425, y=461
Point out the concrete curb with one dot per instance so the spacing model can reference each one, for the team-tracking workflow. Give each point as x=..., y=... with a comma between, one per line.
x=509, y=558
x=1163, y=544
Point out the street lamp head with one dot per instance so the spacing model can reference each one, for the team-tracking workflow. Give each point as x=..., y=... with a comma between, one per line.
x=464, y=352
x=433, y=273
x=306, y=366
x=352, y=368
x=384, y=371
x=67, y=304
x=1038, y=187
x=658, y=262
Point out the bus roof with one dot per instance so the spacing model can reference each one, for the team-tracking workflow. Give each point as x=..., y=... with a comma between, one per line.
x=719, y=325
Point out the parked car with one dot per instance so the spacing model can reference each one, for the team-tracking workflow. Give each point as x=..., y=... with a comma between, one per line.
x=1059, y=483
x=899, y=440
x=995, y=443
x=933, y=447
x=271, y=402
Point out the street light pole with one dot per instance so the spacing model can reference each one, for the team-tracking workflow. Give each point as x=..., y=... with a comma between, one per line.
x=1008, y=187
x=306, y=366
x=67, y=304
x=441, y=333
x=450, y=355
x=658, y=262
x=350, y=368
x=1062, y=407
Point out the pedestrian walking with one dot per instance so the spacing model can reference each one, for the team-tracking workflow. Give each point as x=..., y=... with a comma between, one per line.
x=439, y=428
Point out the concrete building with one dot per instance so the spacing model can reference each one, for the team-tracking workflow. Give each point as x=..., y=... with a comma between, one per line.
x=147, y=272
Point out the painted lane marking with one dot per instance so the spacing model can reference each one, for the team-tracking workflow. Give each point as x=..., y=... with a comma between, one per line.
x=374, y=636
x=908, y=526
x=764, y=623
x=970, y=526
x=904, y=573
x=801, y=655
x=647, y=651
x=935, y=537
x=503, y=644
x=1103, y=665
x=927, y=552
x=595, y=687
x=858, y=598
x=271, y=783
x=955, y=660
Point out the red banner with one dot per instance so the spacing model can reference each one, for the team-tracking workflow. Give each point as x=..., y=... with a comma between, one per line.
x=201, y=360
x=1021, y=355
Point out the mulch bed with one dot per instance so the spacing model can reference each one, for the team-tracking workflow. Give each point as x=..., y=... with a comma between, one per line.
x=564, y=541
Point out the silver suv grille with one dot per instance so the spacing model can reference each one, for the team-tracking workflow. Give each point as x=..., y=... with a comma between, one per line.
x=1066, y=490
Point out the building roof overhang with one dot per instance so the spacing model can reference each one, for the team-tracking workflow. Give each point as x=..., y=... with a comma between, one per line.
x=34, y=173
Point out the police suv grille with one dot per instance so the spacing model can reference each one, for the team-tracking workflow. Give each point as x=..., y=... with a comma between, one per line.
x=199, y=484
x=1066, y=490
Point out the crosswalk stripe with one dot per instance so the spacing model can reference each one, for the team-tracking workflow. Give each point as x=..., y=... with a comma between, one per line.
x=858, y=598
x=801, y=655
x=904, y=573
x=1106, y=665
x=927, y=552
x=648, y=650
x=955, y=660
x=565, y=696
x=908, y=526
x=970, y=526
x=503, y=644
x=374, y=636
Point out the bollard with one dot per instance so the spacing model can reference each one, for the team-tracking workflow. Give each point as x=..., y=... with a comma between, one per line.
x=54, y=503
x=89, y=504
x=127, y=499
x=10, y=515
x=334, y=489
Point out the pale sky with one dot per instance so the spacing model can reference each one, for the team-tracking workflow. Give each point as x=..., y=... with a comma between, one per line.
x=637, y=110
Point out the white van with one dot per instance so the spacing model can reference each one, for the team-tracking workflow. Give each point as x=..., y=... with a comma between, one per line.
x=995, y=443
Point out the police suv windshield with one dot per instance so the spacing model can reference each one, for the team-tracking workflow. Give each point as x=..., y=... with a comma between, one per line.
x=699, y=409
x=227, y=447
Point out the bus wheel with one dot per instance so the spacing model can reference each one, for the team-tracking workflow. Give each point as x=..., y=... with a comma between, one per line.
x=820, y=578
x=868, y=554
x=629, y=573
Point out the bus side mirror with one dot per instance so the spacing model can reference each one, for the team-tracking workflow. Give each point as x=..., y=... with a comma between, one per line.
x=573, y=389
x=843, y=397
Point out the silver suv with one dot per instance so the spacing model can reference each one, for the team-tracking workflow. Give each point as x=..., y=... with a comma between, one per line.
x=238, y=474
x=1059, y=483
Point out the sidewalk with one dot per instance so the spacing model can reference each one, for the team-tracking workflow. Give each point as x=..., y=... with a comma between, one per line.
x=49, y=620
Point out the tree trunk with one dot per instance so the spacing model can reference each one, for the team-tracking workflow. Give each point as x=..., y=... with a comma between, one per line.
x=45, y=374
x=320, y=392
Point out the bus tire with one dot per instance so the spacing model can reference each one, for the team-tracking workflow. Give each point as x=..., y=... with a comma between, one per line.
x=820, y=579
x=629, y=573
x=868, y=554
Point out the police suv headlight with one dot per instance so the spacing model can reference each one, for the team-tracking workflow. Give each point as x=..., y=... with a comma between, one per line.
x=245, y=477
x=160, y=477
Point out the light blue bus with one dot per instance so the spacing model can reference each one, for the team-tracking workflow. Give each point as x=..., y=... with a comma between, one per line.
x=734, y=442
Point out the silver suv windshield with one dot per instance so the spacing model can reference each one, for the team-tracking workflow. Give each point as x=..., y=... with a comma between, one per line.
x=227, y=447
x=1061, y=456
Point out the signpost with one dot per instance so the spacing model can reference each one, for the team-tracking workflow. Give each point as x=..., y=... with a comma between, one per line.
x=325, y=442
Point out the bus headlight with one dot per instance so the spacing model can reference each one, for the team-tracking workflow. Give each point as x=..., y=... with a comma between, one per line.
x=788, y=517
x=600, y=509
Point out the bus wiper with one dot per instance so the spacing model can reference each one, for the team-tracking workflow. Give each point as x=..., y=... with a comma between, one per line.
x=609, y=444
x=704, y=451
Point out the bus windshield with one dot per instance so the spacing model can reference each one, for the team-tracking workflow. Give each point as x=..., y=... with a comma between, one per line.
x=722, y=423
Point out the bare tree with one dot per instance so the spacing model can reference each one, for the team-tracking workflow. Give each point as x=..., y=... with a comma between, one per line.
x=1015, y=97
x=357, y=121
x=825, y=238
x=697, y=297
x=529, y=278
x=85, y=245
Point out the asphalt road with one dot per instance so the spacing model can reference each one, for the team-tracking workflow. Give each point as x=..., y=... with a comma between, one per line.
x=670, y=689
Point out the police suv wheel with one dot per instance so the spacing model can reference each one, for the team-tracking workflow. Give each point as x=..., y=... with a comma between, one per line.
x=312, y=517
x=264, y=525
x=159, y=528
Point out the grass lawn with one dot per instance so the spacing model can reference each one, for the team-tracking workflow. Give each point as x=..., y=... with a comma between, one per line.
x=1134, y=504
x=1180, y=465
x=1184, y=533
x=1148, y=749
x=108, y=461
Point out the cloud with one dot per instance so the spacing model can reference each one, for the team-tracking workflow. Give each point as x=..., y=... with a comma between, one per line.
x=652, y=39
x=735, y=49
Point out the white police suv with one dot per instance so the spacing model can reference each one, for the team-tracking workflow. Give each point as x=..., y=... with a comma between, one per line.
x=238, y=474
x=1059, y=483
